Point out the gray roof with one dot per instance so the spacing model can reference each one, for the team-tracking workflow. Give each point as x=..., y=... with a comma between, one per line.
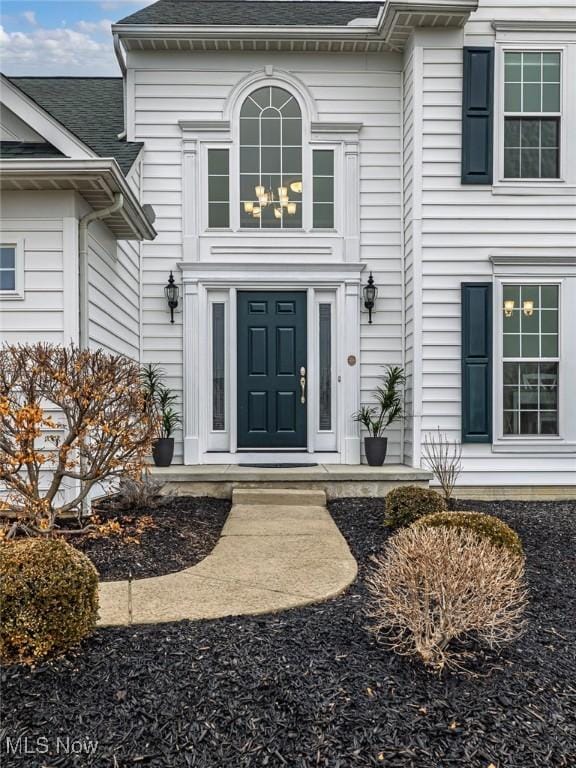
x=11, y=149
x=92, y=108
x=250, y=13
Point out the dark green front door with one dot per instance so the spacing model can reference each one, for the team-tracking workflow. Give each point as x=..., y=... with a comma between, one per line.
x=271, y=356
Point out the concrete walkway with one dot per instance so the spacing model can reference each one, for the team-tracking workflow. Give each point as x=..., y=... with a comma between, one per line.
x=279, y=549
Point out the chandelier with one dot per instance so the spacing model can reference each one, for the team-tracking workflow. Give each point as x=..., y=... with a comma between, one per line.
x=265, y=196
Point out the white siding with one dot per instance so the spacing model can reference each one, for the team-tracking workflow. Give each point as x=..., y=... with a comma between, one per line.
x=113, y=293
x=45, y=224
x=461, y=227
x=348, y=88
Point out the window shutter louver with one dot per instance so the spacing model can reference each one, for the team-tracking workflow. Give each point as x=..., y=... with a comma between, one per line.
x=476, y=362
x=477, y=115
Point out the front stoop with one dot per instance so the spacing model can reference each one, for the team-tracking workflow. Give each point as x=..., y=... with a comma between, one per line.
x=278, y=550
x=335, y=480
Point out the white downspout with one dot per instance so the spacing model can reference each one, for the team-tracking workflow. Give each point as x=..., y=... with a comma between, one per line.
x=83, y=263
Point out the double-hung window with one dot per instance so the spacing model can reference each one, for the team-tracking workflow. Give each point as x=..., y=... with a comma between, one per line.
x=531, y=360
x=532, y=114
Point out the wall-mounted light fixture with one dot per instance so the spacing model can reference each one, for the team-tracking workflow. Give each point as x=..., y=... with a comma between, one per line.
x=172, y=292
x=370, y=294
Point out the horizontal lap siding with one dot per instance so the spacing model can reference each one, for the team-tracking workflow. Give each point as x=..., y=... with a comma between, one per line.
x=113, y=292
x=461, y=227
x=168, y=88
x=39, y=316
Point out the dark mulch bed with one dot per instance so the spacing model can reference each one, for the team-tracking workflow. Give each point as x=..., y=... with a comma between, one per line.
x=155, y=541
x=309, y=687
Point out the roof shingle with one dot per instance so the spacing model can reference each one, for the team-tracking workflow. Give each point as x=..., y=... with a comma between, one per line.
x=92, y=108
x=11, y=149
x=251, y=13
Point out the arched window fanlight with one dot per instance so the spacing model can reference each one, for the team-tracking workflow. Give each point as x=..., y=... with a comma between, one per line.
x=271, y=160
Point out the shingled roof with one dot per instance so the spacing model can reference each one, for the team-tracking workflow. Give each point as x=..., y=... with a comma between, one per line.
x=11, y=149
x=288, y=13
x=92, y=108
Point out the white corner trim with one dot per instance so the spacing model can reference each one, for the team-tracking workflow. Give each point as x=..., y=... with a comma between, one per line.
x=43, y=123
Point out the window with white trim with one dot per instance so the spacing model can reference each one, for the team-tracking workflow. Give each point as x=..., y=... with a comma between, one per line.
x=11, y=271
x=531, y=359
x=532, y=114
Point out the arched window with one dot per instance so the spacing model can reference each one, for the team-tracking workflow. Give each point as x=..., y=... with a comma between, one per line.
x=270, y=160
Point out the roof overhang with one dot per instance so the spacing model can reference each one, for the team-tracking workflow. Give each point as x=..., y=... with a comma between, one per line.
x=97, y=181
x=389, y=31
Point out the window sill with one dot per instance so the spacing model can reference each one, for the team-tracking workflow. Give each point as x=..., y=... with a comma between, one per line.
x=11, y=295
x=532, y=187
x=547, y=446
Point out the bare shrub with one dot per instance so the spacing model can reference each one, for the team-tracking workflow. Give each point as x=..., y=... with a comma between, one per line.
x=444, y=459
x=433, y=587
x=141, y=492
x=101, y=429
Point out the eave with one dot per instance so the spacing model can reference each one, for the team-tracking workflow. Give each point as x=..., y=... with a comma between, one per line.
x=97, y=181
x=388, y=31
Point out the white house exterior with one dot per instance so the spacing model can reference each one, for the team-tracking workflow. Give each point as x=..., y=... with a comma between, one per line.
x=427, y=142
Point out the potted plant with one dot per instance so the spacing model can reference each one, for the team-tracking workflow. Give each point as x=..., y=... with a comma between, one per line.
x=160, y=400
x=377, y=418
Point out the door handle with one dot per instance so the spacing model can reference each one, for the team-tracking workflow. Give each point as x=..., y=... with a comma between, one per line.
x=302, y=385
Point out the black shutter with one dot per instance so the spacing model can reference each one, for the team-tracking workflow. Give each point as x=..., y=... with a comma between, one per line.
x=477, y=115
x=476, y=362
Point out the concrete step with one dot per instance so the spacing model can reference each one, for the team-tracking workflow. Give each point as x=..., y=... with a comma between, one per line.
x=279, y=497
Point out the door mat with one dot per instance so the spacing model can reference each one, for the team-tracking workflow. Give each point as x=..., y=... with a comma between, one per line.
x=277, y=466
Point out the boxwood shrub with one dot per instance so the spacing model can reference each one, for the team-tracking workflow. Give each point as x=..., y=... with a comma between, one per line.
x=406, y=504
x=485, y=526
x=48, y=599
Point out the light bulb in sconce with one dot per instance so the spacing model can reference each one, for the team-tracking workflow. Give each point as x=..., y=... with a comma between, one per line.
x=282, y=192
x=296, y=186
x=508, y=307
x=528, y=307
x=291, y=208
x=260, y=190
x=249, y=206
x=278, y=213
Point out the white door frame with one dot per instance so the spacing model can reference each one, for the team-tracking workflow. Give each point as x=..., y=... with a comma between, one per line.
x=201, y=278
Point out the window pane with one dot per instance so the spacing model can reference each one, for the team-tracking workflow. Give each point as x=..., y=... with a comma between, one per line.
x=219, y=215
x=7, y=257
x=512, y=132
x=549, y=345
x=551, y=97
x=551, y=68
x=218, y=189
x=323, y=162
x=532, y=101
x=512, y=163
x=218, y=161
x=549, y=133
x=271, y=160
x=218, y=367
x=249, y=131
x=323, y=190
x=529, y=163
x=511, y=345
x=7, y=280
x=325, y=352
x=549, y=296
x=513, y=97
x=292, y=160
x=292, y=132
x=323, y=216
x=530, y=133
x=530, y=346
x=271, y=131
x=250, y=159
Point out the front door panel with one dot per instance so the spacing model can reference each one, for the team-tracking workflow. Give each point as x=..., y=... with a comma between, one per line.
x=271, y=352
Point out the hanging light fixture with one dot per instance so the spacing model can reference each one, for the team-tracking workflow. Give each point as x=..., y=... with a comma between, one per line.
x=248, y=206
x=370, y=293
x=528, y=307
x=508, y=307
x=296, y=186
x=172, y=293
x=264, y=196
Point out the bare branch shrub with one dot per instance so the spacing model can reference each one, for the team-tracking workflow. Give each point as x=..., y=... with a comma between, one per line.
x=99, y=430
x=444, y=459
x=433, y=587
x=141, y=492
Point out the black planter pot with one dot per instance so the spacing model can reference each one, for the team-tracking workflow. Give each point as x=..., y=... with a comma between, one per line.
x=163, y=451
x=375, y=450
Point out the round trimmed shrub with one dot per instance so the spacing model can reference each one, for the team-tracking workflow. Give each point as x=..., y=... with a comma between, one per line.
x=485, y=526
x=408, y=503
x=48, y=599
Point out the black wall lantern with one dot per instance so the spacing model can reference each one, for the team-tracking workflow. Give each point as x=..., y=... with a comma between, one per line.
x=370, y=293
x=172, y=292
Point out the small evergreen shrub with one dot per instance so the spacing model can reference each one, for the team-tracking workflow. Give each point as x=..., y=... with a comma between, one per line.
x=48, y=599
x=486, y=526
x=407, y=504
